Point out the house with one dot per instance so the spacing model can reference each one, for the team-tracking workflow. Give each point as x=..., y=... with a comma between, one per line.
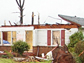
x=74, y=20
x=41, y=38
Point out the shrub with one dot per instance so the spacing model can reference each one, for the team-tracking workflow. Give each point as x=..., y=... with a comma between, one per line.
x=8, y=54
x=80, y=48
x=4, y=56
x=74, y=38
x=20, y=47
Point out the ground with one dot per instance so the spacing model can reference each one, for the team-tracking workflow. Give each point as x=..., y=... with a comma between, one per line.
x=5, y=60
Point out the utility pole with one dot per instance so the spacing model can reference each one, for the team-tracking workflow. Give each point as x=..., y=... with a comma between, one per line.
x=20, y=4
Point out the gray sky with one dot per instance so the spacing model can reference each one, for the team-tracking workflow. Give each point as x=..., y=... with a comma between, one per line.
x=44, y=7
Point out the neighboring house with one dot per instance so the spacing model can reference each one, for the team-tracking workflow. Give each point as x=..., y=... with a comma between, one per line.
x=74, y=20
x=41, y=38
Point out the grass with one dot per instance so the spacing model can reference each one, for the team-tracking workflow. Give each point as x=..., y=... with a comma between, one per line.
x=3, y=60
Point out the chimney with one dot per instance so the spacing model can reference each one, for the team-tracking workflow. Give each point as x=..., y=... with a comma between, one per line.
x=32, y=18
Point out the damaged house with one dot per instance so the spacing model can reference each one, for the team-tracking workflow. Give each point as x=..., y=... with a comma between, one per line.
x=41, y=38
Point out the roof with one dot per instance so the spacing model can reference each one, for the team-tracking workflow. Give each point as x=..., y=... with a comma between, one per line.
x=44, y=26
x=73, y=19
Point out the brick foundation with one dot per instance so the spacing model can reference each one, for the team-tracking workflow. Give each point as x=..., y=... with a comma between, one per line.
x=3, y=48
x=38, y=50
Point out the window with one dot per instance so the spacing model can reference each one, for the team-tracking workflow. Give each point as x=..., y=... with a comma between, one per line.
x=55, y=37
x=7, y=37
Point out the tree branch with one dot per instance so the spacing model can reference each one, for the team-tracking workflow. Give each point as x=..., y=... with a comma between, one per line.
x=20, y=2
x=17, y=3
x=23, y=3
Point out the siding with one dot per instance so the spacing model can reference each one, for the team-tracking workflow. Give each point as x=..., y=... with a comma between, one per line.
x=41, y=37
x=69, y=33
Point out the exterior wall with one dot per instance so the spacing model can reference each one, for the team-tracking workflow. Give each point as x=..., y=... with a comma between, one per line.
x=3, y=48
x=14, y=33
x=41, y=37
x=82, y=29
x=38, y=50
x=69, y=33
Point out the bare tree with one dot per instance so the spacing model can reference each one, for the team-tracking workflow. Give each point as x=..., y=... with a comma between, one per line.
x=20, y=4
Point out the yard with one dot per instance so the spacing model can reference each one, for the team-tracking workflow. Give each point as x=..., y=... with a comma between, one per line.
x=4, y=60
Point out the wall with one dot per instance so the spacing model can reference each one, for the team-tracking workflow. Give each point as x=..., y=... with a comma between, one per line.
x=3, y=48
x=20, y=33
x=38, y=50
x=69, y=33
x=41, y=37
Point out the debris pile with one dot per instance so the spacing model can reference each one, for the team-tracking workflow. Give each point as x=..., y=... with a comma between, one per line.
x=62, y=55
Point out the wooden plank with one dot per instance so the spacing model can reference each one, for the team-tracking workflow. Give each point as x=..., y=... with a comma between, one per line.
x=9, y=36
x=29, y=38
x=14, y=36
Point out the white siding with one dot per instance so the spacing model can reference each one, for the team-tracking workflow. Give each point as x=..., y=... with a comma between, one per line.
x=42, y=37
x=68, y=33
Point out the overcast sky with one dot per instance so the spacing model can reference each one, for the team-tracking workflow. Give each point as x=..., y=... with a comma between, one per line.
x=44, y=7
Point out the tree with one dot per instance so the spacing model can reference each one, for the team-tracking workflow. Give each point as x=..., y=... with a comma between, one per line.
x=20, y=4
x=74, y=38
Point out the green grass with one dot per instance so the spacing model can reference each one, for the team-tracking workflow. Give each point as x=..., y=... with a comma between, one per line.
x=3, y=60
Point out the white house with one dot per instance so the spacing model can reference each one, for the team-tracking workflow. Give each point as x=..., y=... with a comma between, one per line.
x=44, y=36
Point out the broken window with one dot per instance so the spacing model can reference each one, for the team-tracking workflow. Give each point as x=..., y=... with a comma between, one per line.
x=7, y=37
x=55, y=37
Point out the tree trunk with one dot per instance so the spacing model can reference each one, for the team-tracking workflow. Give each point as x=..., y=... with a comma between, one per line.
x=21, y=16
x=21, y=9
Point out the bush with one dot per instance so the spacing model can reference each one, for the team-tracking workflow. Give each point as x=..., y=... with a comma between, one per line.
x=8, y=54
x=80, y=48
x=20, y=47
x=74, y=38
x=76, y=57
x=4, y=56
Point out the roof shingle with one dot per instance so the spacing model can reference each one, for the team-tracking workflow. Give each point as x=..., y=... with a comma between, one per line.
x=75, y=19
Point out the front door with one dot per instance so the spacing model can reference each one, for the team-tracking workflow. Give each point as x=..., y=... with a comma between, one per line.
x=29, y=39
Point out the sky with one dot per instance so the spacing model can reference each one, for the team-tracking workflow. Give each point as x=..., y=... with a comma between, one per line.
x=47, y=9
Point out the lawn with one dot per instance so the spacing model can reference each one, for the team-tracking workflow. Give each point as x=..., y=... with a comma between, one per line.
x=3, y=60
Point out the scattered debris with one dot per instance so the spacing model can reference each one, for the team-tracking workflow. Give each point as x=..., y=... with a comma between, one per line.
x=62, y=55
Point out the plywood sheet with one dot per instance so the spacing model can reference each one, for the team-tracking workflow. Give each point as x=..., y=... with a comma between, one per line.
x=14, y=36
x=9, y=36
x=29, y=38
